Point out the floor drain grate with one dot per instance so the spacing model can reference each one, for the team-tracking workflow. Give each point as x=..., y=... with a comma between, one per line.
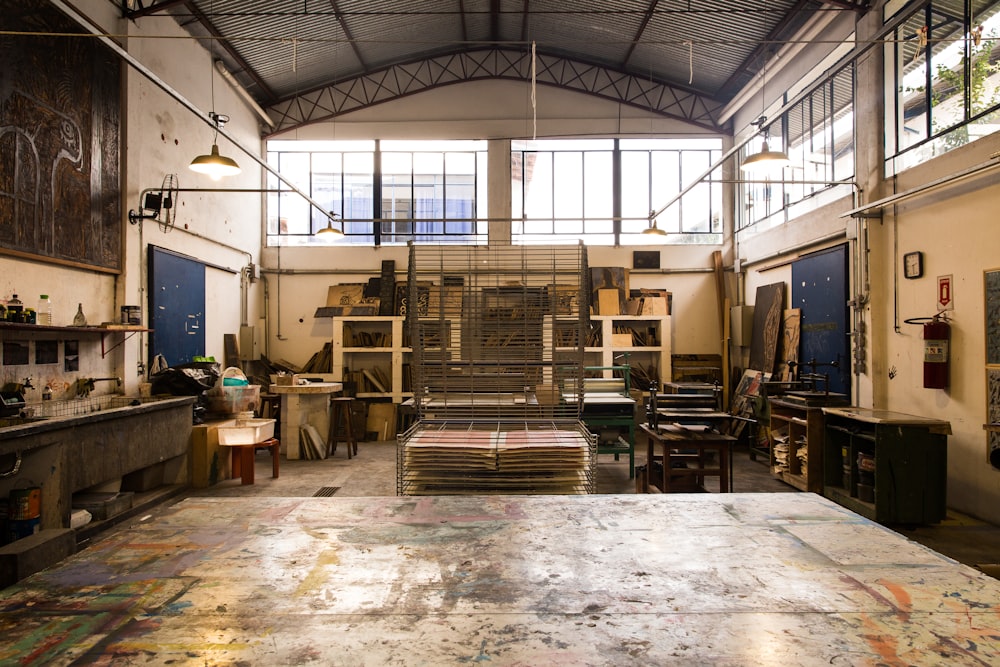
x=326, y=491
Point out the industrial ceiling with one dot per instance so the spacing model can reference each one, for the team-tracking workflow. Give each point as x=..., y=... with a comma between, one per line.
x=310, y=60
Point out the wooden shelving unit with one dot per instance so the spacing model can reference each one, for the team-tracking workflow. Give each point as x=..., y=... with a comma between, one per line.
x=646, y=339
x=372, y=352
x=796, y=453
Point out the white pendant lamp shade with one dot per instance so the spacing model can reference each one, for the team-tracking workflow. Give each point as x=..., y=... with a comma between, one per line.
x=215, y=165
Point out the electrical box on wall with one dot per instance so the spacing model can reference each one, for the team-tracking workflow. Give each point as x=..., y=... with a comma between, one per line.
x=250, y=342
x=741, y=325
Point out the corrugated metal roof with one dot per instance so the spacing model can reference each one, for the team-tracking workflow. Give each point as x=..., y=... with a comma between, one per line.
x=282, y=48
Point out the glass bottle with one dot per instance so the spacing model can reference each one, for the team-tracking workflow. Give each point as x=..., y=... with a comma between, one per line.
x=80, y=320
x=15, y=309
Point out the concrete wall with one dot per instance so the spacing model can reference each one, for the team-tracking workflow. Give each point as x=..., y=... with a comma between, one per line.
x=956, y=230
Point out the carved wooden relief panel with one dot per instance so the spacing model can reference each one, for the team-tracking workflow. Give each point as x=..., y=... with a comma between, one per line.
x=60, y=139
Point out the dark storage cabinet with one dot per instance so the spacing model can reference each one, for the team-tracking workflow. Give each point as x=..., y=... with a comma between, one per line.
x=887, y=466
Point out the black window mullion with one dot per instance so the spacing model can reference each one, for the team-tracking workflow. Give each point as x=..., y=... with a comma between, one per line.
x=377, y=193
x=616, y=191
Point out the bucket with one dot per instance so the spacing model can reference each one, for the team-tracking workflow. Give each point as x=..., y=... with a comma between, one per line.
x=25, y=504
x=233, y=377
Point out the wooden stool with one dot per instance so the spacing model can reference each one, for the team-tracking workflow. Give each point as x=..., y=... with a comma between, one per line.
x=341, y=414
x=243, y=459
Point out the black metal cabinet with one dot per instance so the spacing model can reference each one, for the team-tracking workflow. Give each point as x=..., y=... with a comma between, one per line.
x=887, y=466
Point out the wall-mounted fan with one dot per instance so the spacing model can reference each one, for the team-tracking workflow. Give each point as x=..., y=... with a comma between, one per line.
x=159, y=205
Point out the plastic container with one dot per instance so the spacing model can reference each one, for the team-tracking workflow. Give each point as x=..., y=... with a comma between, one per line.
x=230, y=401
x=131, y=315
x=43, y=314
x=250, y=432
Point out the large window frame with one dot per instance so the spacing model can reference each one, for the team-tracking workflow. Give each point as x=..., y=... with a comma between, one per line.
x=943, y=88
x=382, y=192
x=606, y=189
x=817, y=134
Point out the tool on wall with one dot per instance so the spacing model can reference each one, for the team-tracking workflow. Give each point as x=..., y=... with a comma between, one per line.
x=159, y=205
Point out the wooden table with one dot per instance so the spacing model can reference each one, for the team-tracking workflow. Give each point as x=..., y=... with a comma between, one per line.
x=677, y=444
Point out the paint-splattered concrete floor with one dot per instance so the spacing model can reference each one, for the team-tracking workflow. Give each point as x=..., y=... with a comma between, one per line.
x=688, y=579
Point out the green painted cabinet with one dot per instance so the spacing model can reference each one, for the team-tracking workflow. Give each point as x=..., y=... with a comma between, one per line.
x=887, y=466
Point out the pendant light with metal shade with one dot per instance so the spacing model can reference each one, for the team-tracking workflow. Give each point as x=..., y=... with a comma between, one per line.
x=653, y=230
x=330, y=233
x=766, y=161
x=214, y=164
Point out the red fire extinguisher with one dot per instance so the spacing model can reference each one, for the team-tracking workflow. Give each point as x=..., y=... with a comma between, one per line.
x=937, y=337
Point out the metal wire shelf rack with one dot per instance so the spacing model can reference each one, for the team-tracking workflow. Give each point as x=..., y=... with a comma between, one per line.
x=498, y=338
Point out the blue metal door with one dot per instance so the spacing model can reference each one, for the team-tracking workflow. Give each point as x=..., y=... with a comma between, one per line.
x=176, y=307
x=820, y=288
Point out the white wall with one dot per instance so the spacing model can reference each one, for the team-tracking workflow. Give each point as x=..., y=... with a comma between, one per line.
x=481, y=110
x=221, y=229
x=956, y=229
x=299, y=285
